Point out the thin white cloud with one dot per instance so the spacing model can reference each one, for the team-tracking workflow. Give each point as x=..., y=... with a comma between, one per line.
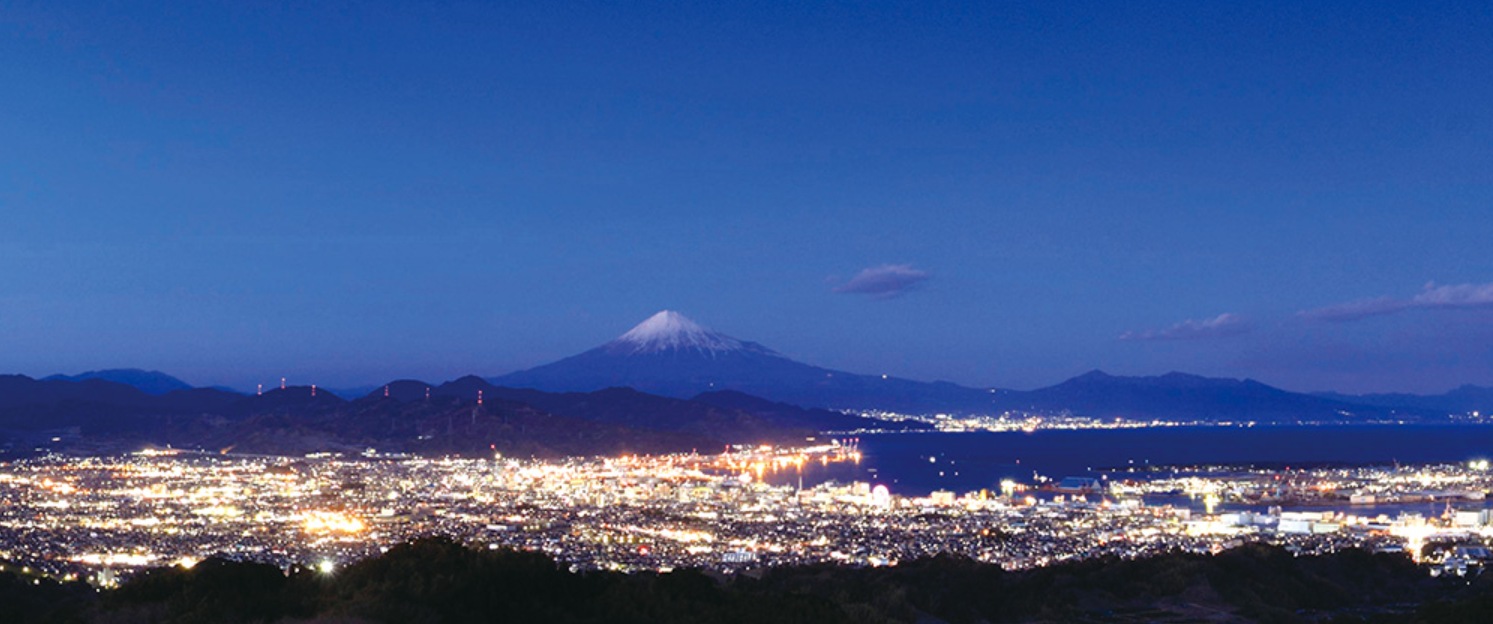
x=884, y=282
x=1455, y=296
x=1225, y=324
x=1430, y=297
x=1354, y=310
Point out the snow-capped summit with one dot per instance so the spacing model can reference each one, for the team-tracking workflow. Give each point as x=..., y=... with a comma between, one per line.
x=671, y=331
x=671, y=355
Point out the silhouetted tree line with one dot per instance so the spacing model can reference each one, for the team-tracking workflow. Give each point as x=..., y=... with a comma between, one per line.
x=438, y=580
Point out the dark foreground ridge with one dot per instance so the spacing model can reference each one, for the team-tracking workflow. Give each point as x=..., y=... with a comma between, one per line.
x=437, y=580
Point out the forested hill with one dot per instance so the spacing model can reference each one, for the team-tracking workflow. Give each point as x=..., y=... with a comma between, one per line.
x=436, y=580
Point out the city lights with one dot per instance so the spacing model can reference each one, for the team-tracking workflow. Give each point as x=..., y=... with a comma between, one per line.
x=104, y=518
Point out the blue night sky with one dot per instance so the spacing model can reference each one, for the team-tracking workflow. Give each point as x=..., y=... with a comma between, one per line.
x=997, y=194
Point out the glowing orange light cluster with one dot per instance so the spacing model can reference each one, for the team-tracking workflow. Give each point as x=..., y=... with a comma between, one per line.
x=332, y=522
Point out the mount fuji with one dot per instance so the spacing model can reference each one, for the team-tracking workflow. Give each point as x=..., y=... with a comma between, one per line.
x=671, y=355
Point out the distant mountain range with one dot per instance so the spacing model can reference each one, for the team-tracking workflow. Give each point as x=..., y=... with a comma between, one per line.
x=1182, y=397
x=668, y=384
x=671, y=355
x=1462, y=400
x=149, y=382
x=467, y=415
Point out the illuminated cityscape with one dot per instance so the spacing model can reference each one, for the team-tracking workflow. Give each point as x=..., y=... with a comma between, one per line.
x=101, y=518
x=897, y=312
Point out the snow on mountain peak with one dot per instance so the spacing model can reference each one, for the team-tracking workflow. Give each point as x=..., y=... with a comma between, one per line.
x=669, y=330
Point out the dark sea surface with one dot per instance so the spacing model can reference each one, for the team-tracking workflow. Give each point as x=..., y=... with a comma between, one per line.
x=913, y=464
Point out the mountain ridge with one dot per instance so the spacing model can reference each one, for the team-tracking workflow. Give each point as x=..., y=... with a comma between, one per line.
x=666, y=384
x=1464, y=399
x=1185, y=397
x=675, y=366
x=148, y=381
x=465, y=415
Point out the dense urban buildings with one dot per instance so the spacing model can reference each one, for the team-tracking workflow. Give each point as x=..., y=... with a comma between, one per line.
x=102, y=518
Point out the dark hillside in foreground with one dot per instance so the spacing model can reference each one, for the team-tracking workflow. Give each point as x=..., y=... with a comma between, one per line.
x=436, y=580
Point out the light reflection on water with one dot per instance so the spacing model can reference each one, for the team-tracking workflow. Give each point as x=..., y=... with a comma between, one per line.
x=913, y=464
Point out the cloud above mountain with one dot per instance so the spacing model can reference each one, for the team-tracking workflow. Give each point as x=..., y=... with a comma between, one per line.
x=1225, y=324
x=1431, y=297
x=884, y=282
